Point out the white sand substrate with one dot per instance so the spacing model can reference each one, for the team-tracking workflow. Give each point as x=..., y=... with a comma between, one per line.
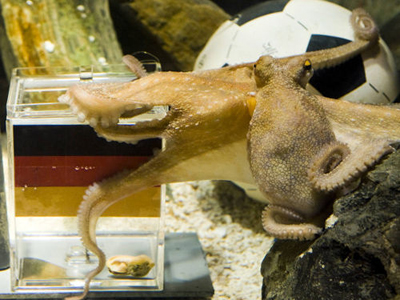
x=228, y=224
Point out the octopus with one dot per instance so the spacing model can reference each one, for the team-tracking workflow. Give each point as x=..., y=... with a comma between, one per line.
x=254, y=123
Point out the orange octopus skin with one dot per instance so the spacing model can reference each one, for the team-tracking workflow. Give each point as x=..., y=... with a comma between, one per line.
x=253, y=123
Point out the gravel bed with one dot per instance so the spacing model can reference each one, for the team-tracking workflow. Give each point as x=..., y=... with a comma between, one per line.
x=228, y=224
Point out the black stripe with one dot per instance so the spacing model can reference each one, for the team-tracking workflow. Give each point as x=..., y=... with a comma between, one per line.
x=374, y=88
x=49, y=140
x=386, y=96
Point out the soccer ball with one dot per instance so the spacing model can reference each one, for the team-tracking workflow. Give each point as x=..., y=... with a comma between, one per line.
x=283, y=28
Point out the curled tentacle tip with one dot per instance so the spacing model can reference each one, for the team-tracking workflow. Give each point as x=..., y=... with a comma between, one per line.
x=323, y=172
x=287, y=231
x=366, y=28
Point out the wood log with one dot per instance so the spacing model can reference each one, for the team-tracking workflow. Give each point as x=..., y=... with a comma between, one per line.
x=181, y=28
x=57, y=33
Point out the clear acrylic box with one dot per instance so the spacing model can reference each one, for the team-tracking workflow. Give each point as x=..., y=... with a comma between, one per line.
x=51, y=159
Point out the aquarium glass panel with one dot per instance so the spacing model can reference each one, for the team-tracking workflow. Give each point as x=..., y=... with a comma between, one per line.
x=51, y=159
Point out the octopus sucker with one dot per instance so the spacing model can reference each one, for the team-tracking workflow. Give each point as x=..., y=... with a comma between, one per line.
x=350, y=168
x=105, y=113
x=253, y=123
x=135, y=65
x=272, y=222
x=325, y=166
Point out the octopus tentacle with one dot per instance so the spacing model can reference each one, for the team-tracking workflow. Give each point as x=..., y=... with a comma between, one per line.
x=98, y=107
x=90, y=209
x=135, y=65
x=88, y=238
x=162, y=168
x=366, y=36
x=325, y=165
x=273, y=220
x=98, y=198
x=346, y=166
x=104, y=104
x=364, y=26
x=356, y=123
x=133, y=133
x=101, y=113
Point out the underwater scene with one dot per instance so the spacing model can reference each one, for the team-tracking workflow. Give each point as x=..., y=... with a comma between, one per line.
x=268, y=129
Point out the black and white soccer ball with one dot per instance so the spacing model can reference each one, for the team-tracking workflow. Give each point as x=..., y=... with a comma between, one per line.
x=288, y=27
x=283, y=28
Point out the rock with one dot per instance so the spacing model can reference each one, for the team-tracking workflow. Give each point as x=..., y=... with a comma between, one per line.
x=180, y=27
x=357, y=258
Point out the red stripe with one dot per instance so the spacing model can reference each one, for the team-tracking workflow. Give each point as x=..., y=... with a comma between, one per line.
x=35, y=171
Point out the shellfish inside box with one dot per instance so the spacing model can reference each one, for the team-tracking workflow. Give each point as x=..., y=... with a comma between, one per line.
x=52, y=158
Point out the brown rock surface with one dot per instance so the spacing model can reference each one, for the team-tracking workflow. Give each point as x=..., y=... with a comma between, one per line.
x=358, y=257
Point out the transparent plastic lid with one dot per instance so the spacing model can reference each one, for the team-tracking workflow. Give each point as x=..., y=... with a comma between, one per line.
x=34, y=92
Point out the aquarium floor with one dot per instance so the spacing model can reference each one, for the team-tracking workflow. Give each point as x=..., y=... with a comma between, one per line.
x=229, y=227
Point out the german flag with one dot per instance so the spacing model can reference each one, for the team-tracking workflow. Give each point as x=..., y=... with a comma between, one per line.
x=54, y=165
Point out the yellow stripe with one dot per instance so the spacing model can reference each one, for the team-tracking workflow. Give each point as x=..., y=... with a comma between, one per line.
x=64, y=202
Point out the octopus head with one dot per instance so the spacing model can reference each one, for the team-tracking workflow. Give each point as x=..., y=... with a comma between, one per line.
x=298, y=69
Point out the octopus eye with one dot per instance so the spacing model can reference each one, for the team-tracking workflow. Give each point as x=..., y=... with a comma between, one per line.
x=307, y=65
x=305, y=73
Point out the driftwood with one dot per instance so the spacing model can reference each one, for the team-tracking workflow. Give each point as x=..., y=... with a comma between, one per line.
x=175, y=30
x=56, y=33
